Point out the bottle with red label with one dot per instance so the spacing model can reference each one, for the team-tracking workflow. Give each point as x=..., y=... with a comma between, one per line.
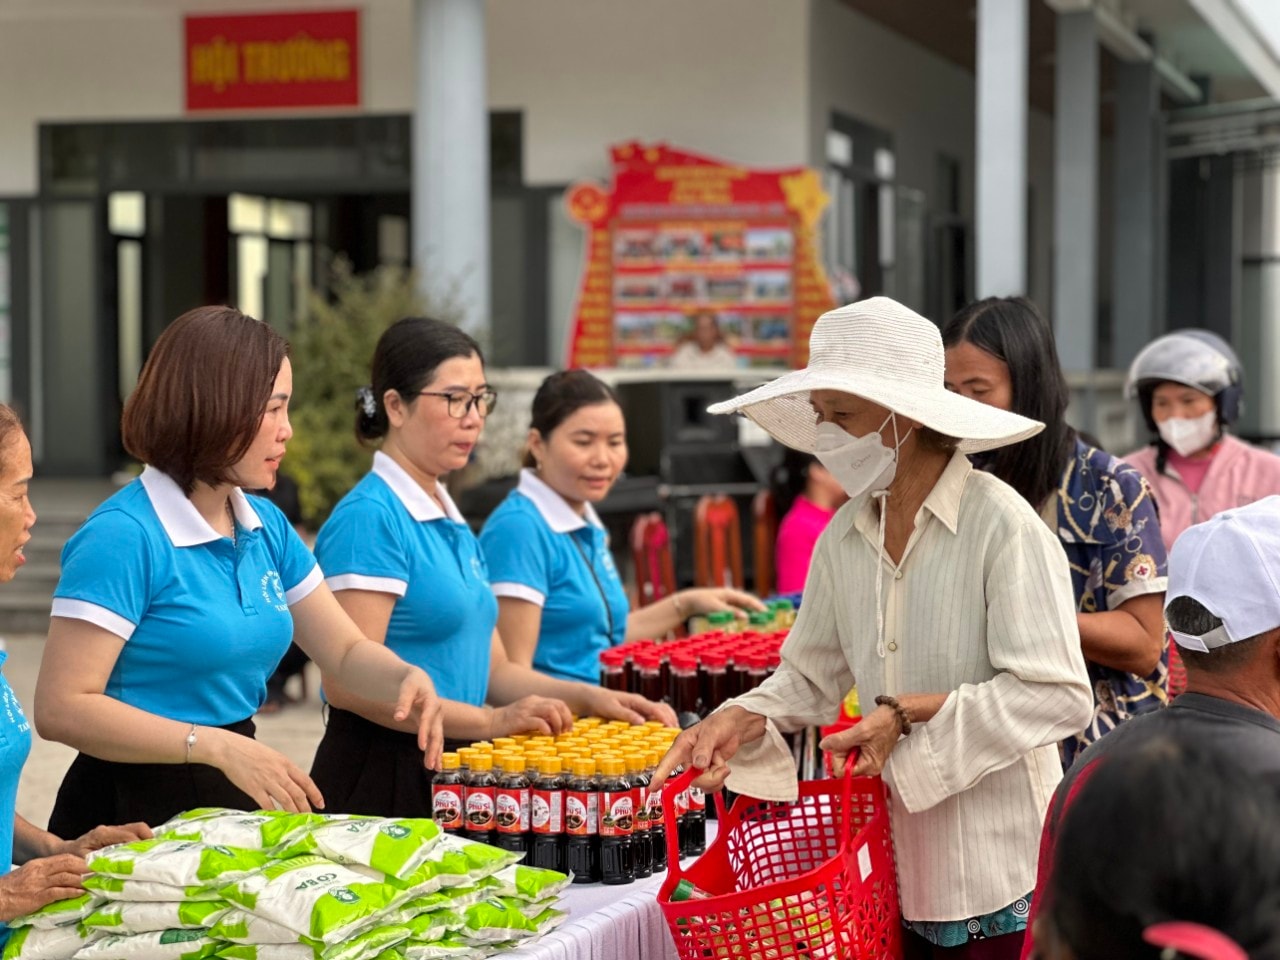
x=546, y=816
x=617, y=820
x=694, y=835
x=657, y=823
x=641, y=841
x=682, y=821
x=511, y=805
x=447, y=790
x=582, y=823
x=481, y=799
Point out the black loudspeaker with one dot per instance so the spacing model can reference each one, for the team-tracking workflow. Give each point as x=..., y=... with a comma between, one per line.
x=670, y=416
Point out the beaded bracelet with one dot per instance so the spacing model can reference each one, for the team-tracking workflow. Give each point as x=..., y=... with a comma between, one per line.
x=904, y=716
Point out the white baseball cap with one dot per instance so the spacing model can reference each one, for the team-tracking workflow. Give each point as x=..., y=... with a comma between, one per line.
x=1230, y=564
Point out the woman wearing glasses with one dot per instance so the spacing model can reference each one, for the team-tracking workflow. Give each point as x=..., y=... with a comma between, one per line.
x=406, y=567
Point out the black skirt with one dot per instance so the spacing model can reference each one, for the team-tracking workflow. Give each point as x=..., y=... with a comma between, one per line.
x=362, y=767
x=95, y=792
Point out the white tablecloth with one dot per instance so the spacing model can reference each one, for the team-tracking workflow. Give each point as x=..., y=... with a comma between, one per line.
x=609, y=923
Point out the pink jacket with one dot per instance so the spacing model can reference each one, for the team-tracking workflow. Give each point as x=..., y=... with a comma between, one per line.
x=1239, y=475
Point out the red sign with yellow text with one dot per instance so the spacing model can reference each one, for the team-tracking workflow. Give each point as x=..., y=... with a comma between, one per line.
x=271, y=60
x=678, y=235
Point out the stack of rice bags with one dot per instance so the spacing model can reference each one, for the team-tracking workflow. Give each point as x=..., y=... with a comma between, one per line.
x=277, y=886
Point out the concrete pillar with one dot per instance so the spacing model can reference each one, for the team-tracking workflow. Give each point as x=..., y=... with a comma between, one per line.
x=1001, y=196
x=1136, y=206
x=451, y=156
x=1075, y=190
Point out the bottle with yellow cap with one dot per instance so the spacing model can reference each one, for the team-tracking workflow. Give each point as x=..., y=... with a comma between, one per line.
x=546, y=816
x=447, y=791
x=511, y=804
x=617, y=821
x=481, y=786
x=581, y=822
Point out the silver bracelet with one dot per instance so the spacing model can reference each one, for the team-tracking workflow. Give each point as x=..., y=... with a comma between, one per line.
x=191, y=741
x=675, y=605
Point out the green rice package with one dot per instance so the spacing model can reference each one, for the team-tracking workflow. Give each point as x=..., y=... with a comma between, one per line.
x=449, y=947
x=492, y=921
x=450, y=863
x=532, y=883
x=315, y=897
x=145, y=891
x=267, y=951
x=434, y=925
x=59, y=913
x=159, y=945
x=147, y=917
x=240, y=926
x=366, y=946
x=426, y=903
x=180, y=863
x=267, y=830
x=394, y=847
x=47, y=943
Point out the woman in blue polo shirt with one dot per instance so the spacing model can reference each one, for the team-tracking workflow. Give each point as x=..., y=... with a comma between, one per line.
x=404, y=564
x=51, y=867
x=560, y=599
x=179, y=595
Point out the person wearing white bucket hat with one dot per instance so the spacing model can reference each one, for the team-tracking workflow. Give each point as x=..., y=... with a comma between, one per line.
x=941, y=592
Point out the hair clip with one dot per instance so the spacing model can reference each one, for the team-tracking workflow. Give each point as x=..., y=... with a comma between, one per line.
x=1179, y=939
x=368, y=404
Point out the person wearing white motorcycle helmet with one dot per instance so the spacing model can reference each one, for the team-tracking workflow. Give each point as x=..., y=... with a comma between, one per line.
x=1189, y=386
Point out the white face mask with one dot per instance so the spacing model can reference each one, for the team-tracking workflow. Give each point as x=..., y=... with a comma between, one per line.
x=859, y=464
x=1189, y=435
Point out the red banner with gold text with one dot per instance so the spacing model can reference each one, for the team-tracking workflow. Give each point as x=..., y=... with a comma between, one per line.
x=677, y=235
x=266, y=60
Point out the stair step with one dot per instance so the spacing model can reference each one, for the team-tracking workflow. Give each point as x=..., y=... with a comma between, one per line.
x=21, y=613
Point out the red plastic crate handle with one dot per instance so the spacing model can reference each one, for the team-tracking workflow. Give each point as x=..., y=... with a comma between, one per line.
x=681, y=781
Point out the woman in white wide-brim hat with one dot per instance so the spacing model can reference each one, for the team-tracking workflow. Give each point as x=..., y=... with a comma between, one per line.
x=944, y=596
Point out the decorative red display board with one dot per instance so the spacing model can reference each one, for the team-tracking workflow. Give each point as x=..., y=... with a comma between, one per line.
x=678, y=234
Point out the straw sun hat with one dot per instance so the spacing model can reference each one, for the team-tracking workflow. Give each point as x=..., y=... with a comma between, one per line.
x=884, y=352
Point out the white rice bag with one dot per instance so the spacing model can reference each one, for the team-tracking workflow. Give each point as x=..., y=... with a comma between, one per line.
x=367, y=946
x=394, y=847
x=59, y=913
x=147, y=917
x=159, y=945
x=179, y=863
x=532, y=883
x=434, y=925
x=267, y=951
x=492, y=921
x=145, y=891
x=47, y=943
x=315, y=898
x=267, y=830
x=242, y=927
x=449, y=947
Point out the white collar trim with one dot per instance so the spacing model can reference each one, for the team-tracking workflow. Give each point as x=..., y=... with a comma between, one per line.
x=416, y=500
x=179, y=516
x=554, y=508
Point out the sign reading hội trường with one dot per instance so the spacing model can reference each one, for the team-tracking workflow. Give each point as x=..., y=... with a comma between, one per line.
x=273, y=60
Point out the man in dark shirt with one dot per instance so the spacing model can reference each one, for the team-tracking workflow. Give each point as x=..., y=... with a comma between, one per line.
x=1223, y=609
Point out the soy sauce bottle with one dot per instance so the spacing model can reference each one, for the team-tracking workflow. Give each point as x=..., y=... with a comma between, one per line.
x=481, y=786
x=617, y=820
x=657, y=824
x=546, y=816
x=582, y=824
x=511, y=805
x=447, y=790
x=641, y=838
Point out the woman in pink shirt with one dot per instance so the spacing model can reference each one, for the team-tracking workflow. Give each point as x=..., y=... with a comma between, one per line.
x=808, y=497
x=1188, y=384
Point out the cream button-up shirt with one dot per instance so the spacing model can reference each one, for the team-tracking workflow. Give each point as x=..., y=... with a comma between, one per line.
x=980, y=608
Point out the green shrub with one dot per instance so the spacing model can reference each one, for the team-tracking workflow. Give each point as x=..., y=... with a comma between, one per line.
x=331, y=351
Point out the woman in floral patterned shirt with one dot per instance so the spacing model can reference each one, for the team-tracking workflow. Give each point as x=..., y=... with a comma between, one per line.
x=1001, y=352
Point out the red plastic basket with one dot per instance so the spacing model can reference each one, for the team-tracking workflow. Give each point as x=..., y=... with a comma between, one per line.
x=813, y=879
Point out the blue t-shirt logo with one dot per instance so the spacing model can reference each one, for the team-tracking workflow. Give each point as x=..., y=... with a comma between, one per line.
x=476, y=568
x=273, y=590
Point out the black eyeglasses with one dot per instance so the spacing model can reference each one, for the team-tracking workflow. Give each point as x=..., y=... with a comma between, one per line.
x=460, y=404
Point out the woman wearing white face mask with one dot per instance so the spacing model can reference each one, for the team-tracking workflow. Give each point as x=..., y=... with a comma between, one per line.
x=1188, y=384
x=939, y=591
